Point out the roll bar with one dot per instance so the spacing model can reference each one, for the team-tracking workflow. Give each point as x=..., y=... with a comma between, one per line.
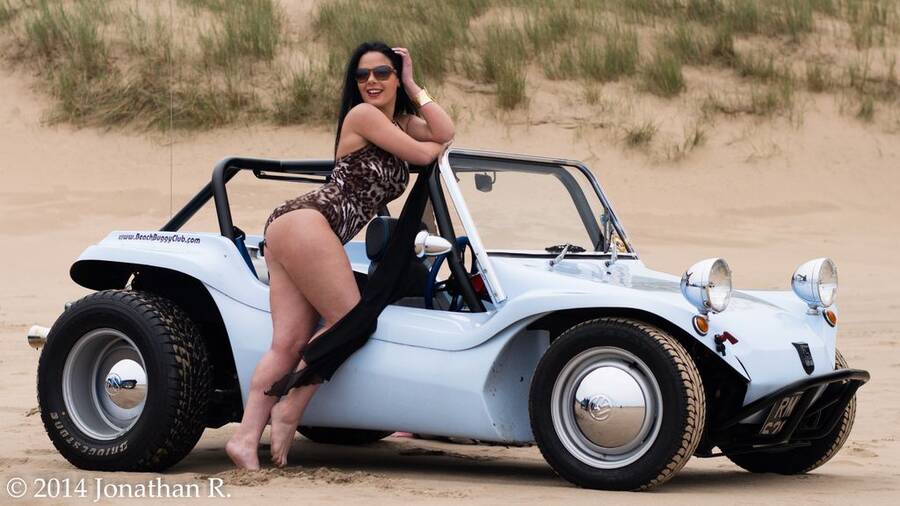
x=226, y=169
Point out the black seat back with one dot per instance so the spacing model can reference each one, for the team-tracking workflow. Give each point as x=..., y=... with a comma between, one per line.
x=378, y=235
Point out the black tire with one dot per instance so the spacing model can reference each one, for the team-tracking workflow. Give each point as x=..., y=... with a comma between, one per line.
x=178, y=382
x=340, y=436
x=805, y=459
x=680, y=394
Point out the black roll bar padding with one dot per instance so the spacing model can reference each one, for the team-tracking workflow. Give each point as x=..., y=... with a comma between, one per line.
x=445, y=227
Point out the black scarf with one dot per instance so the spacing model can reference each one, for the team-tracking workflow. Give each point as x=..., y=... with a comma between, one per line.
x=325, y=353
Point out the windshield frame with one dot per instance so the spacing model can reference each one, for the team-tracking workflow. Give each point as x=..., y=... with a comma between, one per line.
x=472, y=160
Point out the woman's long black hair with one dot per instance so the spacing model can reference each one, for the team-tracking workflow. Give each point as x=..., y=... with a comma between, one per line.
x=351, y=95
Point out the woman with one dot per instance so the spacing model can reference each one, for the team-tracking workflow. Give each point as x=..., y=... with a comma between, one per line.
x=385, y=121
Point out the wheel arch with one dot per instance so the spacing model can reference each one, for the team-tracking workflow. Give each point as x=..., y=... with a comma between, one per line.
x=725, y=388
x=194, y=298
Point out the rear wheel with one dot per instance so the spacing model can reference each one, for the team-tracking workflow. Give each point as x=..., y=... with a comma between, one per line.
x=616, y=404
x=339, y=436
x=123, y=382
x=804, y=459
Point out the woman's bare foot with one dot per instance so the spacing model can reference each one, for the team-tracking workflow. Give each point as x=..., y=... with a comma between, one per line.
x=282, y=430
x=242, y=453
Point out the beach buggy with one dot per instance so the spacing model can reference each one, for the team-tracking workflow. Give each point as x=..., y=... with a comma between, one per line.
x=529, y=318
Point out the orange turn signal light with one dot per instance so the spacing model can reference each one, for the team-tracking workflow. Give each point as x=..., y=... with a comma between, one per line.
x=701, y=324
x=830, y=317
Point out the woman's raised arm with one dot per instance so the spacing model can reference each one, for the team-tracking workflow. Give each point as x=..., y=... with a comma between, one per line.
x=371, y=124
x=435, y=124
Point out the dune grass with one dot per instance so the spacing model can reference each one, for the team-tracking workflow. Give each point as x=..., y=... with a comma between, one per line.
x=869, y=86
x=250, y=29
x=213, y=5
x=116, y=62
x=771, y=99
x=73, y=36
x=871, y=21
x=153, y=91
x=761, y=65
x=431, y=30
x=662, y=75
x=764, y=100
x=502, y=62
x=307, y=96
x=694, y=45
x=694, y=136
x=503, y=47
x=688, y=44
x=866, y=110
x=510, y=88
x=613, y=55
x=640, y=134
x=618, y=58
x=545, y=27
x=149, y=102
x=818, y=78
x=7, y=12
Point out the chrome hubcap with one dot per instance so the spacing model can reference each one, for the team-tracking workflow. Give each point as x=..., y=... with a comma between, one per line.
x=104, y=383
x=606, y=407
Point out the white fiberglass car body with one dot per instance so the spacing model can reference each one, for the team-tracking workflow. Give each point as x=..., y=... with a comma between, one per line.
x=463, y=357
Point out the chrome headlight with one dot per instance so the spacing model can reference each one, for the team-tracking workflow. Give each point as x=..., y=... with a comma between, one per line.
x=816, y=282
x=707, y=285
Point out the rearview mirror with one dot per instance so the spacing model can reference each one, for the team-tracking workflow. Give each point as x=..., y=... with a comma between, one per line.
x=484, y=182
x=427, y=244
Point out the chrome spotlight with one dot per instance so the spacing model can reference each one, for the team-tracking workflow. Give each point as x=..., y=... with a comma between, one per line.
x=707, y=285
x=816, y=283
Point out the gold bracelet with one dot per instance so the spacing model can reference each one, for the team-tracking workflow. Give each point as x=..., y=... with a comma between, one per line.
x=422, y=98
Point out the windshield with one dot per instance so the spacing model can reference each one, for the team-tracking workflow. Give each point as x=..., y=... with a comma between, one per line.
x=535, y=207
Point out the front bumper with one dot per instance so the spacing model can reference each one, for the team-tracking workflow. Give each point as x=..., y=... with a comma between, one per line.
x=796, y=414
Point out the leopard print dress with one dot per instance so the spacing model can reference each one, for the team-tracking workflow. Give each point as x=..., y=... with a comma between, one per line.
x=361, y=182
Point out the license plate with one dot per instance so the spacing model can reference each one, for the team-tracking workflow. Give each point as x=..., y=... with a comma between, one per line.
x=780, y=413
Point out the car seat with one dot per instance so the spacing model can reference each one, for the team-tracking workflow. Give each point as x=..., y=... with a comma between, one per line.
x=378, y=235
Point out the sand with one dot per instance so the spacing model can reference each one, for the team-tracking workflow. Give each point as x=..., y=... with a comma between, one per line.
x=766, y=196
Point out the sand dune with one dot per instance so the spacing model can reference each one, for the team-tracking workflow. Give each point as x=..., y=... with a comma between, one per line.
x=766, y=196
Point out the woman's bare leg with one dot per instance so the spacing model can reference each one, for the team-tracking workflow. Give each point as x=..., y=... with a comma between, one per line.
x=293, y=321
x=322, y=271
x=286, y=416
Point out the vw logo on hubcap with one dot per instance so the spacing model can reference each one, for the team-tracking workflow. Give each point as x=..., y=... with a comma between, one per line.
x=600, y=407
x=113, y=384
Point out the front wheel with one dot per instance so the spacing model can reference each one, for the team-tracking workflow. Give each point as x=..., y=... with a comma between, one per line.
x=616, y=404
x=806, y=458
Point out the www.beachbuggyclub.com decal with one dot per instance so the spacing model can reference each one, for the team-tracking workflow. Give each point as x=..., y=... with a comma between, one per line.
x=161, y=238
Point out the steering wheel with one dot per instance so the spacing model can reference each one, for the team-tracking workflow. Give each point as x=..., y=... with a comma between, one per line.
x=432, y=287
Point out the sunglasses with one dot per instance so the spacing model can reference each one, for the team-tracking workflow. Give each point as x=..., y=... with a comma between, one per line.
x=381, y=72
